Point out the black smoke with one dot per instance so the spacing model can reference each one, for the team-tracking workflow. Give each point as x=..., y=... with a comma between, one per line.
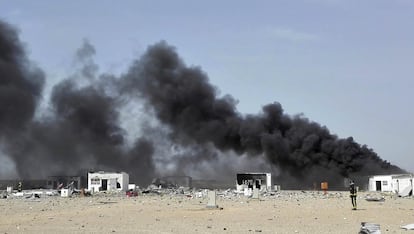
x=193, y=127
x=81, y=133
x=183, y=99
x=21, y=83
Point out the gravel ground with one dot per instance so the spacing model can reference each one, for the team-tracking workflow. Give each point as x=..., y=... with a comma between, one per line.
x=283, y=212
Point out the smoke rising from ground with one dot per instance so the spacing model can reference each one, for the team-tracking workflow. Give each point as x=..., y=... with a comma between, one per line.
x=182, y=127
x=183, y=99
x=81, y=133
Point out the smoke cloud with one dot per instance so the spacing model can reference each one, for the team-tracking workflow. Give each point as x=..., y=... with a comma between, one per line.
x=21, y=83
x=182, y=127
x=183, y=99
x=82, y=132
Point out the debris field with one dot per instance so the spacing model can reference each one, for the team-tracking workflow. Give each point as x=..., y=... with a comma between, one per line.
x=185, y=211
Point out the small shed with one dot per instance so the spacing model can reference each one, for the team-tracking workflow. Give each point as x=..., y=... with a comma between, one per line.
x=401, y=184
x=108, y=181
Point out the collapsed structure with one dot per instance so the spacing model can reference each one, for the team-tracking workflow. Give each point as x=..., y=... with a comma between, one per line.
x=173, y=182
x=58, y=182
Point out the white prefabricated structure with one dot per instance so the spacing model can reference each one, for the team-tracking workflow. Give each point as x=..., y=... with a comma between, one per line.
x=108, y=181
x=260, y=181
x=401, y=184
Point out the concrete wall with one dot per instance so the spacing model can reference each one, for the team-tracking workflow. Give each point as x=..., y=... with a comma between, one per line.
x=269, y=181
x=403, y=184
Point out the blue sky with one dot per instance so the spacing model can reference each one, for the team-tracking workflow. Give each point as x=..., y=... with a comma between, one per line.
x=344, y=64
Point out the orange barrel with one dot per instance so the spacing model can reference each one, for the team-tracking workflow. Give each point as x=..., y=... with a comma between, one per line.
x=324, y=185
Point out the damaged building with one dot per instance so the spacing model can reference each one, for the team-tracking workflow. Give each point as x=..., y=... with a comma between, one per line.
x=108, y=181
x=58, y=182
x=26, y=184
x=401, y=184
x=261, y=181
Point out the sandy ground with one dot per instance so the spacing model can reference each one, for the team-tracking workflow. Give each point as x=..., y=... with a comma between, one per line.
x=285, y=212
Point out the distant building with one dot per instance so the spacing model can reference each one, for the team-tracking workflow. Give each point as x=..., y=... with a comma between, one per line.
x=26, y=184
x=177, y=181
x=58, y=182
x=401, y=184
x=261, y=181
x=108, y=181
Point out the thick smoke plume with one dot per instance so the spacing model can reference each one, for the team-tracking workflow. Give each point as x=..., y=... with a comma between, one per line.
x=82, y=132
x=183, y=99
x=194, y=129
x=21, y=83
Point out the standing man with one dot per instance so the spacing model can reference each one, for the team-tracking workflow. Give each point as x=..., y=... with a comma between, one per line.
x=19, y=186
x=353, y=194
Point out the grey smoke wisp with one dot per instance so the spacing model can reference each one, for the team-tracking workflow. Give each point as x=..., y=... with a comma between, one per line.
x=194, y=126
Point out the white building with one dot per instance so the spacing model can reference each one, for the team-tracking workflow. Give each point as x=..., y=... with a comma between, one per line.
x=261, y=181
x=401, y=184
x=108, y=181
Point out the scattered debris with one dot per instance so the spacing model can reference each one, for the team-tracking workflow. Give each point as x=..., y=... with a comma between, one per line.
x=375, y=199
x=369, y=228
x=52, y=193
x=18, y=194
x=107, y=202
x=408, y=227
x=131, y=193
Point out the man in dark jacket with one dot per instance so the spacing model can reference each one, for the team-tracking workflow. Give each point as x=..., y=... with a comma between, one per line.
x=353, y=194
x=19, y=187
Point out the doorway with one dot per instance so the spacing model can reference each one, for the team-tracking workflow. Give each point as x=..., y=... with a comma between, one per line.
x=257, y=184
x=378, y=185
x=104, y=185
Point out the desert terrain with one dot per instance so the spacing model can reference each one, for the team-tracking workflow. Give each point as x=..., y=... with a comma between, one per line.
x=281, y=212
